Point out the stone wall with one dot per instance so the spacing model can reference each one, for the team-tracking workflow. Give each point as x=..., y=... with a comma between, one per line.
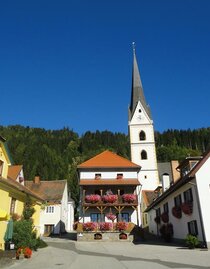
x=104, y=236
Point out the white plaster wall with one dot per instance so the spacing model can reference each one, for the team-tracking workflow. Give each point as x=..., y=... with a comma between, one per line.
x=70, y=216
x=108, y=174
x=180, y=225
x=64, y=207
x=203, y=187
x=50, y=218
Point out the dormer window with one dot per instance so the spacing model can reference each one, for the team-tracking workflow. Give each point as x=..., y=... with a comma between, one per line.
x=97, y=176
x=120, y=176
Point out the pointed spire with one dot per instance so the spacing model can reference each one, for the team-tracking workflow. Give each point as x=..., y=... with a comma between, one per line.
x=137, y=93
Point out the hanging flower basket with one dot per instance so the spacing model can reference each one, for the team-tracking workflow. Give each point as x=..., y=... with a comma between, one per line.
x=157, y=219
x=177, y=212
x=164, y=217
x=111, y=216
x=187, y=208
x=129, y=198
x=92, y=198
x=111, y=198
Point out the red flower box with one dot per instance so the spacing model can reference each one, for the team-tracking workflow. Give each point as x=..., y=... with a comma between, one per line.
x=92, y=198
x=129, y=198
x=106, y=226
x=111, y=198
x=90, y=226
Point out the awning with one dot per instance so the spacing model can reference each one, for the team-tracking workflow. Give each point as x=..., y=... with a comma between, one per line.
x=3, y=214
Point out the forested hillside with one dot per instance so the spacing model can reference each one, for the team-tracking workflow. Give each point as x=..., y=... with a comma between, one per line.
x=54, y=154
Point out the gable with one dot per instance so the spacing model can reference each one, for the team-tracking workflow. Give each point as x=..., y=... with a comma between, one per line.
x=108, y=159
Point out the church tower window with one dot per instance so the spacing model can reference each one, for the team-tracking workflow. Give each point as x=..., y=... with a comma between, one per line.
x=143, y=155
x=142, y=135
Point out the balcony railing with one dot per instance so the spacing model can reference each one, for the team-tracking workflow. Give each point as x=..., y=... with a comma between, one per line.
x=110, y=200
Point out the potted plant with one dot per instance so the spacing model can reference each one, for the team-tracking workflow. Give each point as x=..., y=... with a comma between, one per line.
x=121, y=225
x=164, y=217
x=129, y=198
x=187, y=208
x=123, y=236
x=23, y=252
x=177, y=212
x=192, y=241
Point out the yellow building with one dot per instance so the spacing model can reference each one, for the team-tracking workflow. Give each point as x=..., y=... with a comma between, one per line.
x=13, y=195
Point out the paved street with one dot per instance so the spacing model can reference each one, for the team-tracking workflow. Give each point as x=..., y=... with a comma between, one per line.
x=64, y=253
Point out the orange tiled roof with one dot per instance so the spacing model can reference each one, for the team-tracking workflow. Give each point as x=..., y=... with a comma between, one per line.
x=49, y=190
x=14, y=171
x=86, y=182
x=108, y=159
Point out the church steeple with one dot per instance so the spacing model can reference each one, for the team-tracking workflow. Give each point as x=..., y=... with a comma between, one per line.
x=137, y=93
x=141, y=132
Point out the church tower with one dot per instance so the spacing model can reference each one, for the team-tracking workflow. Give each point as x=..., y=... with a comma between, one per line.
x=141, y=131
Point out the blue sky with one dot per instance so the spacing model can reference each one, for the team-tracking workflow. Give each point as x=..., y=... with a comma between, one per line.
x=69, y=63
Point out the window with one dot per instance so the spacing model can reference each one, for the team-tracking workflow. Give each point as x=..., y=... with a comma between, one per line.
x=97, y=176
x=50, y=209
x=12, y=206
x=178, y=200
x=1, y=167
x=192, y=227
x=158, y=213
x=97, y=217
x=143, y=155
x=142, y=135
x=123, y=217
x=119, y=176
x=165, y=207
x=188, y=197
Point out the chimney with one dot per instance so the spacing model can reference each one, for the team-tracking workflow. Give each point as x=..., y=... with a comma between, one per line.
x=175, y=173
x=36, y=180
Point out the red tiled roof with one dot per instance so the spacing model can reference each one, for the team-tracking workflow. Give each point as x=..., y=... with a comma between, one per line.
x=48, y=190
x=108, y=159
x=100, y=182
x=13, y=171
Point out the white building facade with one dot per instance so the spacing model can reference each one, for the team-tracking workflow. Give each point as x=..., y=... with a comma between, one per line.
x=191, y=196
